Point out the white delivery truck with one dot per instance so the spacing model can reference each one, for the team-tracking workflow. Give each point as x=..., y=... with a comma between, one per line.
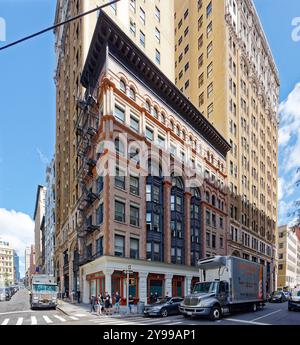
x=43, y=293
x=226, y=283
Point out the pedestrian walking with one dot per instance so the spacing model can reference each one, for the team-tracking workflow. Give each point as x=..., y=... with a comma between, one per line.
x=155, y=297
x=78, y=296
x=107, y=304
x=73, y=296
x=117, y=303
x=93, y=303
x=99, y=305
x=130, y=303
x=151, y=298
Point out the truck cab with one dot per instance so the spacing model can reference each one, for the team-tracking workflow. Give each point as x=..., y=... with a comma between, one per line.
x=207, y=299
x=226, y=283
x=43, y=293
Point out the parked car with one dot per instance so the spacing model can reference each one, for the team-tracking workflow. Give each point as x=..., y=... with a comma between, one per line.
x=164, y=307
x=5, y=294
x=294, y=301
x=287, y=295
x=277, y=297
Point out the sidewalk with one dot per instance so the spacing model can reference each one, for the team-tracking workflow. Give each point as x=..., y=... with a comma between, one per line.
x=69, y=308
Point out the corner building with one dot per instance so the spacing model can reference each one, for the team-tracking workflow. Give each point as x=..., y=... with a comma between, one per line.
x=163, y=204
x=224, y=65
x=150, y=25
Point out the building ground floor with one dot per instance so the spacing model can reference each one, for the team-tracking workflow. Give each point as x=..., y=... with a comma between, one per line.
x=144, y=278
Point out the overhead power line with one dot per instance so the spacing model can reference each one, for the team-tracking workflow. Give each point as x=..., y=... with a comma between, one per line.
x=58, y=25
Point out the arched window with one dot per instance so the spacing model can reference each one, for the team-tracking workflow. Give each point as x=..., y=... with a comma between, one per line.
x=207, y=196
x=163, y=118
x=213, y=200
x=155, y=112
x=132, y=93
x=183, y=135
x=172, y=125
x=122, y=86
x=178, y=130
x=148, y=106
x=119, y=147
x=177, y=182
x=195, y=192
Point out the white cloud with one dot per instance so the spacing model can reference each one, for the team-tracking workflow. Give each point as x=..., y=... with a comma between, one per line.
x=289, y=131
x=18, y=229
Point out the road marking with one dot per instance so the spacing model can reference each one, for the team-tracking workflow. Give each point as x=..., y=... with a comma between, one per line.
x=261, y=317
x=17, y=312
x=73, y=318
x=251, y=322
x=33, y=320
x=80, y=315
x=20, y=321
x=5, y=322
x=60, y=318
x=174, y=323
x=47, y=319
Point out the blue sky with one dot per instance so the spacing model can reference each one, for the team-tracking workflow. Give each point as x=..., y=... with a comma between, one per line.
x=27, y=102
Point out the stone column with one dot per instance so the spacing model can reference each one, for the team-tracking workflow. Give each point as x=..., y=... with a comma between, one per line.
x=188, y=282
x=187, y=215
x=143, y=286
x=84, y=288
x=167, y=221
x=168, y=284
x=108, y=273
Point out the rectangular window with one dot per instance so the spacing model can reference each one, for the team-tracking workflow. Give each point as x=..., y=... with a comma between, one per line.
x=213, y=220
x=120, y=113
x=149, y=134
x=209, y=10
x=157, y=56
x=142, y=16
x=221, y=242
x=120, y=211
x=207, y=218
x=210, y=110
x=157, y=13
x=120, y=179
x=99, y=214
x=99, y=246
x=209, y=50
x=142, y=38
x=134, y=185
x=213, y=241
x=209, y=29
x=209, y=70
x=148, y=192
x=134, y=248
x=161, y=141
x=208, y=239
x=134, y=123
x=119, y=245
x=134, y=216
x=210, y=89
x=132, y=5
x=155, y=225
x=132, y=27
x=157, y=35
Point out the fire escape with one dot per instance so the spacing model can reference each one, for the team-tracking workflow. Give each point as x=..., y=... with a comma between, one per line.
x=86, y=130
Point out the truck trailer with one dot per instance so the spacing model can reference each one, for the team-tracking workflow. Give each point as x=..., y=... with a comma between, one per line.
x=226, y=283
x=43, y=292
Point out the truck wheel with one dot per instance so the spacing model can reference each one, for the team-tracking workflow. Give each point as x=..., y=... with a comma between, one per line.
x=164, y=312
x=215, y=313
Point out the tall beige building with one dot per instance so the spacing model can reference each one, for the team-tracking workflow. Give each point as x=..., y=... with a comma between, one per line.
x=225, y=67
x=6, y=263
x=288, y=258
x=39, y=214
x=150, y=25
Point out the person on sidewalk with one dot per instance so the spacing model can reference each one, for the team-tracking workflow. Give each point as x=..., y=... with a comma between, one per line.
x=117, y=304
x=93, y=303
x=78, y=296
x=99, y=305
x=73, y=296
x=130, y=303
x=107, y=304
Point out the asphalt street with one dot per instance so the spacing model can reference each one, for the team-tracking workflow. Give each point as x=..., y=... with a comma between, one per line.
x=17, y=312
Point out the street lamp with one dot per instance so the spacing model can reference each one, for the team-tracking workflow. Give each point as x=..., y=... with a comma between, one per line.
x=128, y=271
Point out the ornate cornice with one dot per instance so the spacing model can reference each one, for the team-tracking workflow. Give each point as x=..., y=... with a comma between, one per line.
x=108, y=38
